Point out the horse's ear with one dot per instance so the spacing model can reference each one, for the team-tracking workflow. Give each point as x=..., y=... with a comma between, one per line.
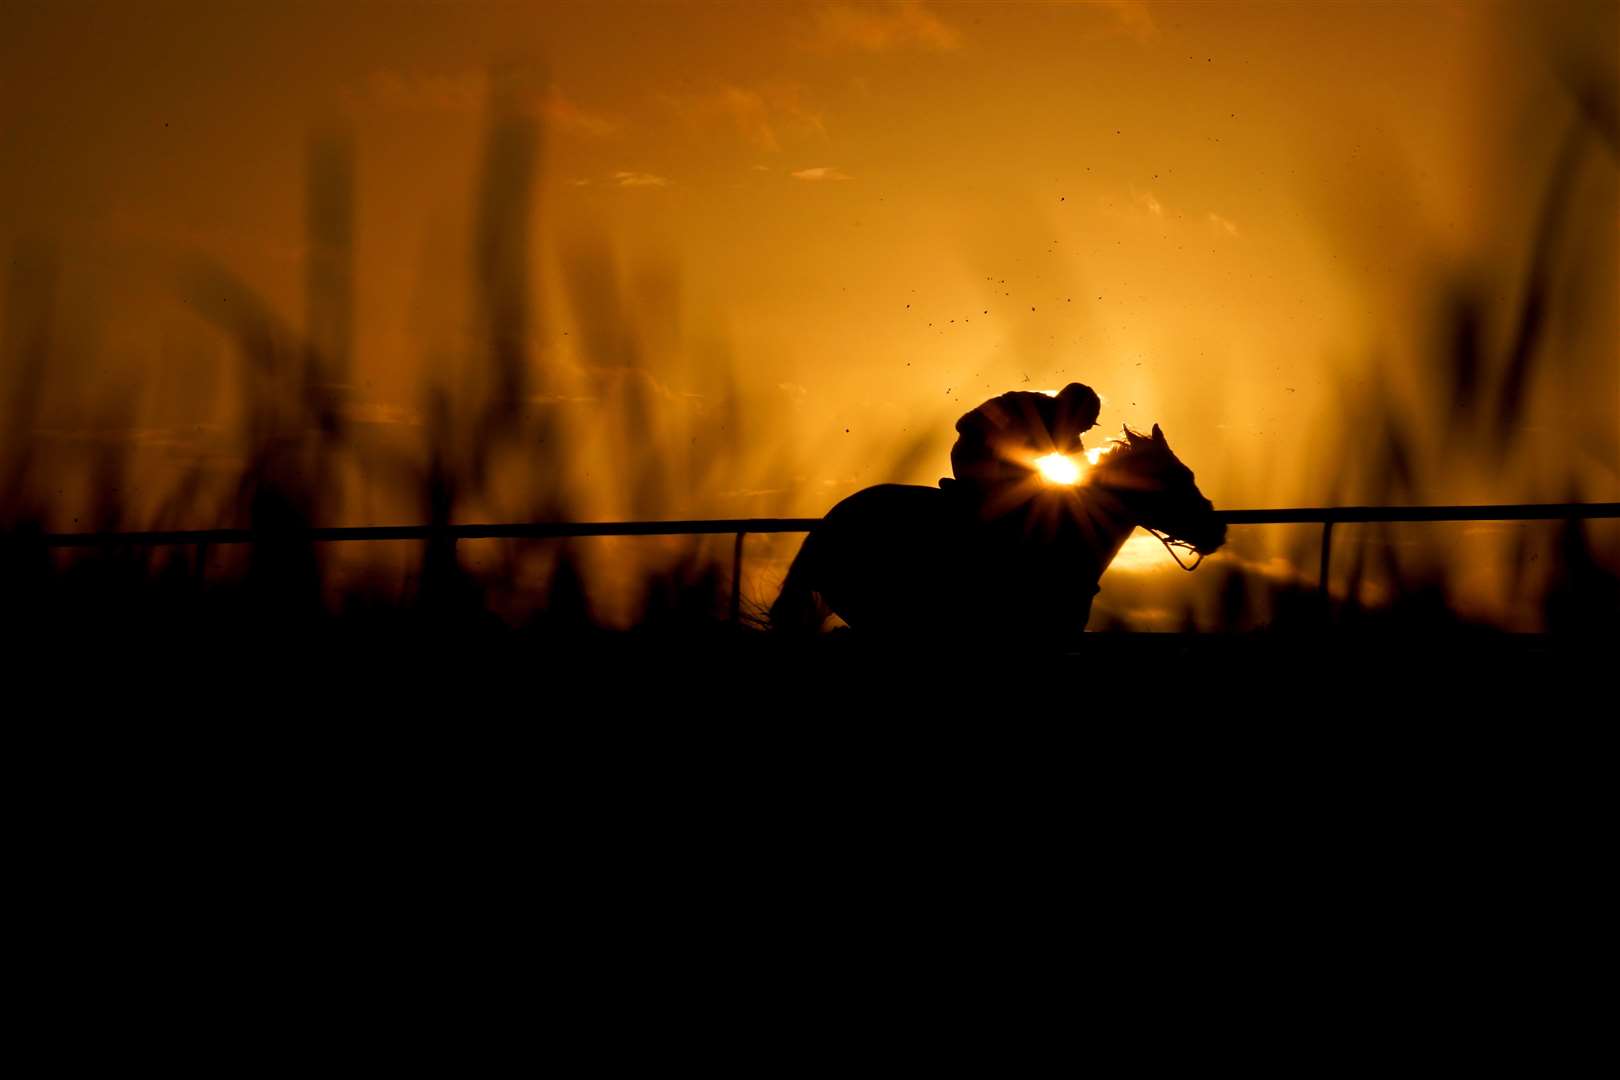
x=1158, y=436
x=1131, y=437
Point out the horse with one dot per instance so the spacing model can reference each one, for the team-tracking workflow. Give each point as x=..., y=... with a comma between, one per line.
x=913, y=565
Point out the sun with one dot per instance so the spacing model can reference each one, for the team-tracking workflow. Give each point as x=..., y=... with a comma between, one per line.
x=1058, y=469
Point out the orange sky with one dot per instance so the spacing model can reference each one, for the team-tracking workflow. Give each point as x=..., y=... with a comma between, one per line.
x=1231, y=219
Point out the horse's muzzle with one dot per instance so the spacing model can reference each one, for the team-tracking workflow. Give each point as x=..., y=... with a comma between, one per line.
x=1208, y=541
x=1205, y=532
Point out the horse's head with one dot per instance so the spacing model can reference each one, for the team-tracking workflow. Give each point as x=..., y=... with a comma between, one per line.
x=1159, y=490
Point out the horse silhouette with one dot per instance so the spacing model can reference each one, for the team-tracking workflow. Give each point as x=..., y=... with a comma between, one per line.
x=915, y=564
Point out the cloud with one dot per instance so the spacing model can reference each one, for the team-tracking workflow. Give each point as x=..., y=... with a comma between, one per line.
x=1222, y=224
x=761, y=115
x=567, y=115
x=1132, y=17
x=823, y=172
x=401, y=92
x=1150, y=203
x=749, y=112
x=562, y=399
x=638, y=179
x=886, y=28
x=468, y=92
x=379, y=413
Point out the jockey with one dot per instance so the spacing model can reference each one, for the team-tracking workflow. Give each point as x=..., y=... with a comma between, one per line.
x=998, y=441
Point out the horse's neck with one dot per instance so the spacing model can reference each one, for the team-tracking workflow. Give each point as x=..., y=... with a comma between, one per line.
x=1111, y=519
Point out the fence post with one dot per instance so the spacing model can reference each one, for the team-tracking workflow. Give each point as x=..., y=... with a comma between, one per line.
x=1327, y=554
x=736, y=578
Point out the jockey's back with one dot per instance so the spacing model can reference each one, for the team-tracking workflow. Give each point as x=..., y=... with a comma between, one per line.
x=998, y=441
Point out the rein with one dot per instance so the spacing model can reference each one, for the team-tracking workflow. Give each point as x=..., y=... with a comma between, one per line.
x=1171, y=544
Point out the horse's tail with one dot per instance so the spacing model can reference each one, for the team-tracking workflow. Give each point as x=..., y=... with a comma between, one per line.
x=797, y=608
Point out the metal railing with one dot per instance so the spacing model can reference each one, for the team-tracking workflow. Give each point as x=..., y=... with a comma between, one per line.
x=1326, y=516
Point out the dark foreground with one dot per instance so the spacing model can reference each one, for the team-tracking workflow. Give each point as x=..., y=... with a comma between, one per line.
x=731, y=846
x=336, y=680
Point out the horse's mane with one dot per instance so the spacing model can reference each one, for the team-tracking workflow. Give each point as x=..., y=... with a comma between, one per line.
x=1116, y=450
x=1133, y=449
